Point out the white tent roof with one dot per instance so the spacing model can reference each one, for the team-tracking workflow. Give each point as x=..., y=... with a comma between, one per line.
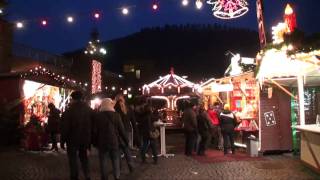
x=277, y=65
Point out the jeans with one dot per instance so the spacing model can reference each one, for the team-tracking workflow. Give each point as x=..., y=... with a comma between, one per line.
x=127, y=155
x=145, y=146
x=115, y=161
x=191, y=138
x=81, y=151
x=228, y=136
x=217, y=139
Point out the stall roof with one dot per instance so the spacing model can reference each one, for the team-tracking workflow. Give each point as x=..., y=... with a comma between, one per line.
x=277, y=65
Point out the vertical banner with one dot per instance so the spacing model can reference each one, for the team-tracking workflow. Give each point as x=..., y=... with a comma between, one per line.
x=262, y=34
x=96, y=77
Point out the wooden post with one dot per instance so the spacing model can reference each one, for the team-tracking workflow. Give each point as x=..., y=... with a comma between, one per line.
x=301, y=100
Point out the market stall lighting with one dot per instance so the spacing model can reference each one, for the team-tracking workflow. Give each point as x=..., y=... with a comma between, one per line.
x=185, y=2
x=1, y=11
x=125, y=11
x=199, y=4
x=278, y=32
x=19, y=25
x=70, y=19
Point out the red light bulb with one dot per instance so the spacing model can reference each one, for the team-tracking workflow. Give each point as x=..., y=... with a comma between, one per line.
x=96, y=15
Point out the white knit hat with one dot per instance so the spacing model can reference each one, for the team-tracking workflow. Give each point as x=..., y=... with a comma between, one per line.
x=107, y=104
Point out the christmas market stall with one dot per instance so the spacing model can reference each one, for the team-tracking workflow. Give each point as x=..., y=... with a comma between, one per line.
x=31, y=90
x=172, y=91
x=297, y=74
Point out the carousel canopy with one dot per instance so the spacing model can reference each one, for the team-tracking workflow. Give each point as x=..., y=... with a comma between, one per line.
x=170, y=80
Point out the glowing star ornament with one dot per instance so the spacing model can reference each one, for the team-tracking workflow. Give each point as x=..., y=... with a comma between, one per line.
x=229, y=9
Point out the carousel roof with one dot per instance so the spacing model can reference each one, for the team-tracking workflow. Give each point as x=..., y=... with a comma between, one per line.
x=171, y=80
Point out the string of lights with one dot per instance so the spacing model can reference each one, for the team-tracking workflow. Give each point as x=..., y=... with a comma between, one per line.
x=97, y=14
x=40, y=70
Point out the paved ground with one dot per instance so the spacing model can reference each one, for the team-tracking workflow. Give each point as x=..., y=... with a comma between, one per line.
x=20, y=165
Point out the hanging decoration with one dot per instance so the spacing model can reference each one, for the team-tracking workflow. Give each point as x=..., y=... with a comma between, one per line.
x=229, y=9
x=96, y=81
x=60, y=78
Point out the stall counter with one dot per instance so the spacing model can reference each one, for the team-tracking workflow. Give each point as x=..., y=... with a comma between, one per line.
x=310, y=145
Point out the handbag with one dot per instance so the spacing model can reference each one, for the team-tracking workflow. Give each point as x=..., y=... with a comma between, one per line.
x=154, y=134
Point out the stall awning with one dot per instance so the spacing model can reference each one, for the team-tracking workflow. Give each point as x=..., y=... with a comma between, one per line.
x=279, y=66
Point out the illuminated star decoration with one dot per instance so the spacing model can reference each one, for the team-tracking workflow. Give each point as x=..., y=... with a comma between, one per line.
x=229, y=9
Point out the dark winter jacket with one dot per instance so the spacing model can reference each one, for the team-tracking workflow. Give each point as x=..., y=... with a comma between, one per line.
x=124, y=117
x=108, y=131
x=146, y=121
x=204, y=124
x=189, y=120
x=76, y=124
x=227, y=121
x=54, y=121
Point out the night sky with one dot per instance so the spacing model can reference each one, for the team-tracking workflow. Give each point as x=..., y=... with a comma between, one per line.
x=59, y=36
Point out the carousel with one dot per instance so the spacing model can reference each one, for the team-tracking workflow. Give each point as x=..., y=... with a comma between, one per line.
x=168, y=94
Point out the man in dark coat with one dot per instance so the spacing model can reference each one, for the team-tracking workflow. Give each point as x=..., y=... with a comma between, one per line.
x=76, y=132
x=109, y=131
x=190, y=126
x=53, y=125
x=227, y=123
x=204, y=129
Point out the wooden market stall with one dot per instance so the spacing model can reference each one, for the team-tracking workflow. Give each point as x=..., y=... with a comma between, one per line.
x=298, y=76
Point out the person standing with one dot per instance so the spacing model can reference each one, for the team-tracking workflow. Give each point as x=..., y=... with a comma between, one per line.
x=147, y=126
x=214, y=112
x=53, y=125
x=108, y=129
x=227, y=123
x=76, y=130
x=190, y=127
x=121, y=108
x=204, y=129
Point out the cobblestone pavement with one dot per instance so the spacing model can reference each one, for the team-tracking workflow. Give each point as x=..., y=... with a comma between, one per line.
x=20, y=165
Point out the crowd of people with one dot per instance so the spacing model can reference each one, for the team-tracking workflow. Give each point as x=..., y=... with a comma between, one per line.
x=114, y=128
x=202, y=127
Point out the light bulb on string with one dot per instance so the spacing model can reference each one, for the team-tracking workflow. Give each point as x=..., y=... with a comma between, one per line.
x=185, y=2
x=70, y=19
x=199, y=4
x=44, y=22
x=155, y=6
x=125, y=11
x=97, y=15
x=19, y=25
